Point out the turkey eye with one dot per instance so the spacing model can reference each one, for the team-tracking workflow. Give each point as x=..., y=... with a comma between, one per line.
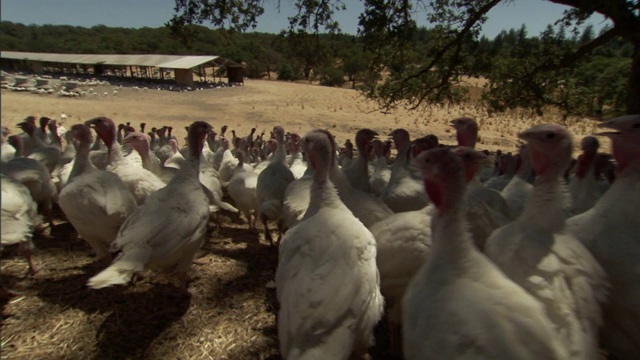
x=551, y=136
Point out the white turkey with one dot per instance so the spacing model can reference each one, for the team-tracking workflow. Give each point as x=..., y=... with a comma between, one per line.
x=404, y=191
x=466, y=131
x=48, y=155
x=296, y=162
x=228, y=162
x=168, y=229
x=508, y=166
x=177, y=159
x=35, y=176
x=266, y=156
x=19, y=218
x=140, y=143
x=485, y=208
x=272, y=183
x=403, y=241
x=611, y=231
x=164, y=151
x=25, y=140
x=209, y=177
x=358, y=173
x=367, y=207
x=41, y=131
x=490, y=171
x=538, y=254
x=517, y=191
x=460, y=305
x=584, y=187
x=296, y=199
x=141, y=182
x=346, y=155
x=95, y=201
x=382, y=171
x=327, y=280
x=242, y=189
x=7, y=151
x=68, y=152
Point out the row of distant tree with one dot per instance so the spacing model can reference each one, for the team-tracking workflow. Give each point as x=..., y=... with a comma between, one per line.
x=595, y=85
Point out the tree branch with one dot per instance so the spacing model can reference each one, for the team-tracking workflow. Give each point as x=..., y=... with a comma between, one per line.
x=570, y=59
x=617, y=10
x=456, y=41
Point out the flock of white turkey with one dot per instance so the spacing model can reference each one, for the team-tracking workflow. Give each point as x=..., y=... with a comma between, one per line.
x=533, y=256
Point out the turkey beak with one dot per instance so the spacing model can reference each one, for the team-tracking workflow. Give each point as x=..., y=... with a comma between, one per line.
x=90, y=124
x=526, y=136
x=21, y=125
x=611, y=124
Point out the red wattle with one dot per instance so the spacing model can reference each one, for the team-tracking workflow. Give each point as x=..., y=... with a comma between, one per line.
x=434, y=191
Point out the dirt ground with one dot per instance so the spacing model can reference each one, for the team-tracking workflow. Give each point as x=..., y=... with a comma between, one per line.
x=230, y=313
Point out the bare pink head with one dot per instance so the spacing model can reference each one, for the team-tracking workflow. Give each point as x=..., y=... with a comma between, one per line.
x=28, y=127
x=443, y=174
x=105, y=128
x=401, y=139
x=624, y=132
x=550, y=146
x=466, y=131
x=82, y=134
x=196, y=137
x=139, y=142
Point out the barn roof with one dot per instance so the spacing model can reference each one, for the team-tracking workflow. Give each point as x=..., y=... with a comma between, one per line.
x=163, y=61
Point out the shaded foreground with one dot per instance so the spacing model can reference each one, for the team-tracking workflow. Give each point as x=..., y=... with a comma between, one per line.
x=228, y=313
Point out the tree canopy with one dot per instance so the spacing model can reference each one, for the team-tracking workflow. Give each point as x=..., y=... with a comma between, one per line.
x=534, y=74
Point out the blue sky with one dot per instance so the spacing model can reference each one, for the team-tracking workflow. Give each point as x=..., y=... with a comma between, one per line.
x=535, y=14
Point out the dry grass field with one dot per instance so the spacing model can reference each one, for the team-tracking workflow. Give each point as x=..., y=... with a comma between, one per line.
x=229, y=312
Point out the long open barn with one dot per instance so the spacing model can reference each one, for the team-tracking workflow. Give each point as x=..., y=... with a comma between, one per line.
x=166, y=67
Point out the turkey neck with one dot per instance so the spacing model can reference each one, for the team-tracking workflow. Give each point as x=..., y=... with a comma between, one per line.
x=323, y=193
x=451, y=240
x=585, y=164
x=119, y=135
x=240, y=157
x=360, y=162
x=143, y=150
x=19, y=147
x=192, y=168
x=56, y=138
x=81, y=160
x=96, y=144
x=280, y=154
x=467, y=137
x=115, y=153
x=544, y=210
x=339, y=180
x=626, y=156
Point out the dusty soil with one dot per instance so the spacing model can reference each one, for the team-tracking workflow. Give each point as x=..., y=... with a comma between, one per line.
x=229, y=313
